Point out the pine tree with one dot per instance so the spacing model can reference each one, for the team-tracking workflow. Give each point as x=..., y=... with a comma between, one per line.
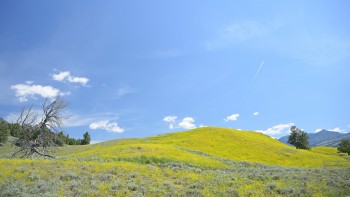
x=86, y=139
x=4, y=132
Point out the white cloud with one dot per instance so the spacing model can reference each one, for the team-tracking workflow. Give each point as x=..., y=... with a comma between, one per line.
x=23, y=91
x=66, y=76
x=278, y=129
x=337, y=129
x=61, y=76
x=81, y=80
x=187, y=123
x=232, y=117
x=95, y=141
x=318, y=130
x=106, y=125
x=170, y=119
x=256, y=113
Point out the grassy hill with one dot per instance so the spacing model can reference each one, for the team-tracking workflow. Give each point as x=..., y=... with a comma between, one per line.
x=206, y=146
x=207, y=161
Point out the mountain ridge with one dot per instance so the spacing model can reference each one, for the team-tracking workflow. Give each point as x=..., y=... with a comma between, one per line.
x=322, y=138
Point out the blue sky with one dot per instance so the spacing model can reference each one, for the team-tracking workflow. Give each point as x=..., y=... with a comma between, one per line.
x=142, y=68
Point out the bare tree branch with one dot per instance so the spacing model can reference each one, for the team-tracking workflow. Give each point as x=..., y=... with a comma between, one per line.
x=36, y=133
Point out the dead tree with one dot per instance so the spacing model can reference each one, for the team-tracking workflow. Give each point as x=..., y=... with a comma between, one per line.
x=38, y=131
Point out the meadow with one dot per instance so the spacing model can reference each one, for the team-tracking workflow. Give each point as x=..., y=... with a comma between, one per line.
x=202, y=162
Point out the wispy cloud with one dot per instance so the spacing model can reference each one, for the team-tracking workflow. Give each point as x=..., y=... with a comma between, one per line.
x=257, y=73
x=238, y=31
x=277, y=129
x=256, y=113
x=124, y=90
x=243, y=30
x=77, y=119
x=106, y=125
x=13, y=117
x=337, y=129
x=310, y=46
x=170, y=119
x=232, y=117
x=320, y=50
x=65, y=76
x=29, y=90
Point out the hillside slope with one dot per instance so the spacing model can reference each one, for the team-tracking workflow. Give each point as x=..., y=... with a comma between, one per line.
x=207, y=147
x=200, y=162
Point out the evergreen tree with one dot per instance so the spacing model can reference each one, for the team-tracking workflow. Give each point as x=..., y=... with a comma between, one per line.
x=344, y=146
x=86, y=139
x=4, y=132
x=14, y=129
x=298, y=138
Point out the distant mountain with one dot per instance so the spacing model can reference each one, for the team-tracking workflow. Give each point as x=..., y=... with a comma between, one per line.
x=322, y=138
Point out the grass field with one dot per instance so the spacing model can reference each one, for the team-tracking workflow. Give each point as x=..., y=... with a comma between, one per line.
x=202, y=162
x=219, y=142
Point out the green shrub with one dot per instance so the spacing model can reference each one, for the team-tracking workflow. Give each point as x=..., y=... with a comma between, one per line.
x=33, y=176
x=74, y=184
x=69, y=176
x=193, y=193
x=271, y=187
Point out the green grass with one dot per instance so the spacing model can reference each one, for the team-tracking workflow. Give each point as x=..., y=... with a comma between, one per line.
x=202, y=162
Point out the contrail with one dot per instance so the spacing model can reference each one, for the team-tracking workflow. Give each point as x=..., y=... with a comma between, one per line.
x=257, y=72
